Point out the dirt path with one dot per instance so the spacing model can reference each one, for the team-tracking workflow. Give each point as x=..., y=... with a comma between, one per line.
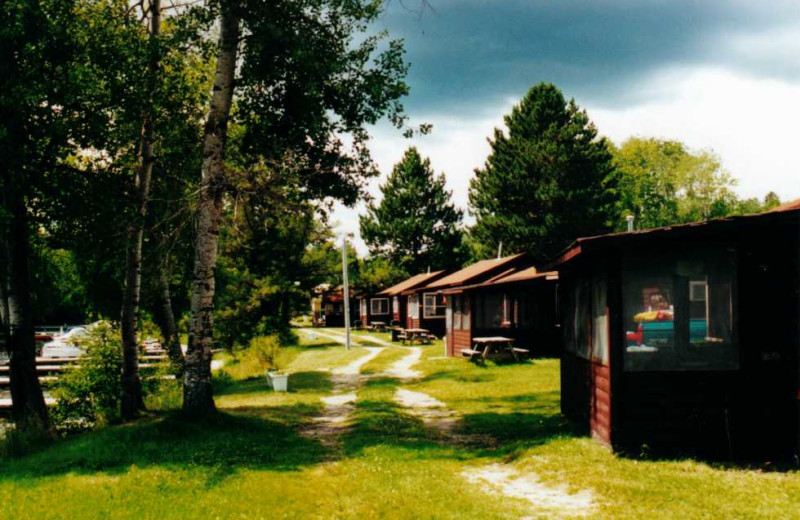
x=354, y=338
x=432, y=412
x=339, y=406
x=401, y=369
x=546, y=501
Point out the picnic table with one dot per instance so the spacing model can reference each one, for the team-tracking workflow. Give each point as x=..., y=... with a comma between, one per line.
x=412, y=335
x=492, y=347
x=379, y=326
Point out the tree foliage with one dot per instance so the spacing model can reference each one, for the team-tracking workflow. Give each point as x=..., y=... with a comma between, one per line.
x=546, y=182
x=662, y=182
x=415, y=226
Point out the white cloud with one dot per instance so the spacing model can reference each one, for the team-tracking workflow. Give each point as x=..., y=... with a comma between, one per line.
x=750, y=122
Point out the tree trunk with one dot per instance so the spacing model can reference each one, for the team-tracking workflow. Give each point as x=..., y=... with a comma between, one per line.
x=198, y=399
x=132, y=400
x=166, y=318
x=29, y=410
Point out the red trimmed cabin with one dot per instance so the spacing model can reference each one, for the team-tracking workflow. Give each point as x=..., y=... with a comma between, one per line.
x=685, y=339
x=432, y=297
x=519, y=303
x=397, y=301
x=332, y=308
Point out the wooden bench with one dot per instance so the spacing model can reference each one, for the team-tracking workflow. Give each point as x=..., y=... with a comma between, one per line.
x=470, y=353
x=520, y=352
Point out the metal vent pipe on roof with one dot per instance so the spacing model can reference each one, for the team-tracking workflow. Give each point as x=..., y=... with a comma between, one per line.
x=630, y=219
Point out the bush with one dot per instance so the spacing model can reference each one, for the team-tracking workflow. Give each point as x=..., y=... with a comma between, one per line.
x=89, y=395
x=221, y=380
x=267, y=350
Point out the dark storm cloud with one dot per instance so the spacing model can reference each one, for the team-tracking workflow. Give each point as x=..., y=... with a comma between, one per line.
x=470, y=54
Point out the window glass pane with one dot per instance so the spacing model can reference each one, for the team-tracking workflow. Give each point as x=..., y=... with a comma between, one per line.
x=582, y=317
x=679, y=313
x=433, y=305
x=465, y=312
x=599, y=320
x=395, y=305
x=456, y=305
x=379, y=306
x=490, y=310
x=413, y=306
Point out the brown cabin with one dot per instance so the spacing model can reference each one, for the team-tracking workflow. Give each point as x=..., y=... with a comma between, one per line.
x=397, y=301
x=332, y=308
x=519, y=303
x=431, y=298
x=684, y=339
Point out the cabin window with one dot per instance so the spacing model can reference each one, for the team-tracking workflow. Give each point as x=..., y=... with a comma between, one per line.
x=586, y=331
x=599, y=346
x=396, y=305
x=465, y=313
x=460, y=307
x=433, y=305
x=364, y=308
x=491, y=310
x=679, y=313
x=413, y=306
x=508, y=311
x=379, y=306
x=456, y=305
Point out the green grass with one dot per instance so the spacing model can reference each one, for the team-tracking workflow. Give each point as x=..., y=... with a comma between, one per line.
x=250, y=461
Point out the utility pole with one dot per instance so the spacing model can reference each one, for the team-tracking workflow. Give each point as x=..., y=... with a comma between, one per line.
x=345, y=292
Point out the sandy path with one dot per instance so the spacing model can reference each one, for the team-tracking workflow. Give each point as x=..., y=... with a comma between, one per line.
x=432, y=412
x=401, y=369
x=340, y=337
x=339, y=406
x=546, y=501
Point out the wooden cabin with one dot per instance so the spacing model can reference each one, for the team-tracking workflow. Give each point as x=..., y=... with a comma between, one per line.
x=518, y=303
x=332, y=308
x=427, y=305
x=397, y=301
x=684, y=339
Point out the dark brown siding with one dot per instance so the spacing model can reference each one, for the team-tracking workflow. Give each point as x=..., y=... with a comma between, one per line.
x=462, y=340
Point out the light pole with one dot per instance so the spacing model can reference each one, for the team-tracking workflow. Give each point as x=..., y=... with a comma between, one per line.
x=345, y=292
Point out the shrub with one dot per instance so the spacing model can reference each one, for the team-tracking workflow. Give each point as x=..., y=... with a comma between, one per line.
x=90, y=393
x=267, y=350
x=222, y=380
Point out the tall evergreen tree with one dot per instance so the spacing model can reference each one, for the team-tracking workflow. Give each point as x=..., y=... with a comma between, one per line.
x=416, y=224
x=546, y=182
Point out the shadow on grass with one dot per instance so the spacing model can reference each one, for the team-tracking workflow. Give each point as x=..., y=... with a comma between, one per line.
x=299, y=382
x=223, y=443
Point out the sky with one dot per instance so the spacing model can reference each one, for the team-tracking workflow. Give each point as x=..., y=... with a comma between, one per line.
x=722, y=75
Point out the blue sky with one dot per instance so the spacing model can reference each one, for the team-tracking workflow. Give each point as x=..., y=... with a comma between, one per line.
x=717, y=74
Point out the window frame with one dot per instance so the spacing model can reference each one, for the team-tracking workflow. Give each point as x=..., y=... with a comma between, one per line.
x=372, y=303
x=437, y=297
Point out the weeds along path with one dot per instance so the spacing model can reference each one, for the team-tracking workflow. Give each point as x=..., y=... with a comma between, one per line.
x=339, y=406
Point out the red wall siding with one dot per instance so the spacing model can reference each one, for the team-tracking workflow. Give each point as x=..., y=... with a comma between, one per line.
x=600, y=397
x=461, y=339
x=586, y=394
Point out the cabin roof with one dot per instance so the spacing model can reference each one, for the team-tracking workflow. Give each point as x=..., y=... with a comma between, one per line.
x=474, y=271
x=409, y=283
x=719, y=225
x=508, y=277
x=787, y=206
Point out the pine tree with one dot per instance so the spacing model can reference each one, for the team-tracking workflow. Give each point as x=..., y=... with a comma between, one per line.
x=546, y=182
x=416, y=225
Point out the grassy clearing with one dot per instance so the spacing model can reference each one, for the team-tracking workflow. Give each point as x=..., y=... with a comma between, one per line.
x=251, y=461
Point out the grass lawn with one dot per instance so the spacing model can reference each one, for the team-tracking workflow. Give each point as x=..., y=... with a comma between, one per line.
x=251, y=461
